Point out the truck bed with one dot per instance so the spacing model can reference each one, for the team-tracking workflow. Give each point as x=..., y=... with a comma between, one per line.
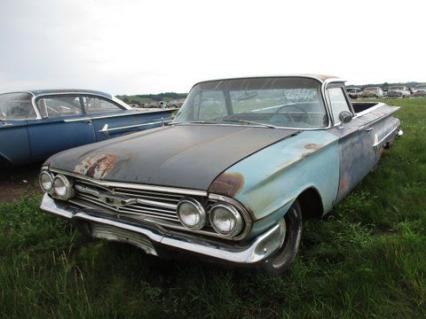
x=363, y=106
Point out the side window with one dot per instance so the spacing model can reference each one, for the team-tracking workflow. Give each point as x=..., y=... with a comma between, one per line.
x=338, y=102
x=59, y=105
x=95, y=105
x=16, y=106
x=211, y=105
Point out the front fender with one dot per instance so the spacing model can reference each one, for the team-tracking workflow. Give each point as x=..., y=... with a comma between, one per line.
x=268, y=182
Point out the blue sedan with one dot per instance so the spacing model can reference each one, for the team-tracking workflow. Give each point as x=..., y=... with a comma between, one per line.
x=37, y=124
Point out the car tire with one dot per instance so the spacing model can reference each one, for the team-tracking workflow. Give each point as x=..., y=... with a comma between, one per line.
x=281, y=260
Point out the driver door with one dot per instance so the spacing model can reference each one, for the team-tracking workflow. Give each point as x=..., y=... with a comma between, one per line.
x=357, y=156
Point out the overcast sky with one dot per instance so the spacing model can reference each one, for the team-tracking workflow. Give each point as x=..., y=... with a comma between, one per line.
x=127, y=47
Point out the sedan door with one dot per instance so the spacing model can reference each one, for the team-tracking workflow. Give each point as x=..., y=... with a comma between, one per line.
x=63, y=125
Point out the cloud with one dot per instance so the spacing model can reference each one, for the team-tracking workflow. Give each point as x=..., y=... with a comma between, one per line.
x=153, y=46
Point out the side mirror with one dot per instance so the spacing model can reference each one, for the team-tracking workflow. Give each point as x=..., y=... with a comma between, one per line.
x=345, y=116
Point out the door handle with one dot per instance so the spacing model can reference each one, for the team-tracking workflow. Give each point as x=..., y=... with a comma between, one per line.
x=368, y=129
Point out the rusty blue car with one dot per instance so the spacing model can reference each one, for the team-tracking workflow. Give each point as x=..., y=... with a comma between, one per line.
x=36, y=124
x=231, y=179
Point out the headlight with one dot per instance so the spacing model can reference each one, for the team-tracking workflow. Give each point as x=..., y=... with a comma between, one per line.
x=191, y=214
x=62, y=187
x=226, y=220
x=46, y=181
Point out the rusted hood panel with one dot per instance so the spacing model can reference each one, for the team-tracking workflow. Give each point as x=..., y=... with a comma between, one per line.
x=178, y=156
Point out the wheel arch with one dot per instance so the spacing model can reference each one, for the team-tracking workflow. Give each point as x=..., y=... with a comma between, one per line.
x=311, y=203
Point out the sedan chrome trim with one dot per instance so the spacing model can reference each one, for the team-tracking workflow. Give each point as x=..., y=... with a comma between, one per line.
x=254, y=252
x=106, y=129
x=165, y=189
x=125, y=113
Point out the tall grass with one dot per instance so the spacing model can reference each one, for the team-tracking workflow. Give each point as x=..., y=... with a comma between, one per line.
x=366, y=259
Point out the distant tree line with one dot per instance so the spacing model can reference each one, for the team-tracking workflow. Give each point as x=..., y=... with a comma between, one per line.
x=385, y=86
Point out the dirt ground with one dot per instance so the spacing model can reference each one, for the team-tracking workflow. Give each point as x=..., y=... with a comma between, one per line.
x=18, y=181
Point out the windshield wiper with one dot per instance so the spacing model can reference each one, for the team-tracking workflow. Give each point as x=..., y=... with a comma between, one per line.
x=249, y=122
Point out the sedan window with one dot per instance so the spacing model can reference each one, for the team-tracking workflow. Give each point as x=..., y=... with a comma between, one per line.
x=16, y=106
x=95, y=105
x=59, y=105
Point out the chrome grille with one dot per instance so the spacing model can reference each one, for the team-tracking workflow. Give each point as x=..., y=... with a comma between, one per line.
x=132, y=203
x=144, y=203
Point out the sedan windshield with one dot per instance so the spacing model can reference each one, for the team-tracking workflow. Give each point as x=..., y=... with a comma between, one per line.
x=276, y=101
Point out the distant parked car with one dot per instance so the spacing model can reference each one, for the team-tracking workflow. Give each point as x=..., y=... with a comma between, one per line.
x=354, y=93
x=419, y=90
x=372, y=91
x=399, y=91
x=37, y=124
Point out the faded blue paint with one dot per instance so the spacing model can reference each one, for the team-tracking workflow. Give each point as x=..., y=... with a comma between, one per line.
x=332, y=161
x=26, y=141
x=270, y=186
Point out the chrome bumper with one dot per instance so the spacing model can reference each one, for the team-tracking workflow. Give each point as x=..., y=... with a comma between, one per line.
x=260, y=248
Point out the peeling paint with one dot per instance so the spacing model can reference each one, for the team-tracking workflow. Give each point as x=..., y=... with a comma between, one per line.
x=96, y=166
x=227, y=184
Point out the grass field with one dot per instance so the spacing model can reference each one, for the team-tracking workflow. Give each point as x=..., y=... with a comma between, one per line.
x=367, y=259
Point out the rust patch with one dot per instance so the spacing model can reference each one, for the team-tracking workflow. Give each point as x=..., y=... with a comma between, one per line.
x=344, y=183
x=227, y=184
x=312, y=146
x=96, y=166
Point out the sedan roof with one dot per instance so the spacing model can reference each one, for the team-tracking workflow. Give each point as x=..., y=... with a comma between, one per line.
x=69, y=91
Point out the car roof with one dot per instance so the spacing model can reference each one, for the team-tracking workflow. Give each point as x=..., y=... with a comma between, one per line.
x=69, y=91
x=319, y=77
x=37, y=93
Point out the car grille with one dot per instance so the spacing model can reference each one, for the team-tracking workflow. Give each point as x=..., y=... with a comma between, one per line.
x=135, y=204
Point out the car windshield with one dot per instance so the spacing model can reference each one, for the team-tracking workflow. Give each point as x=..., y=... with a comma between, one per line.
x=399, y=88
x=371, y=89
x=16, y=106
x=294, y=102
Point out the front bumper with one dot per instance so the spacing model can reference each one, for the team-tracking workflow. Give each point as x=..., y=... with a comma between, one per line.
x=257, y=250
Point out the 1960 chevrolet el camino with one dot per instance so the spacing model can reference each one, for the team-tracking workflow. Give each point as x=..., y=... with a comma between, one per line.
x=37, y=124
x=232, y=177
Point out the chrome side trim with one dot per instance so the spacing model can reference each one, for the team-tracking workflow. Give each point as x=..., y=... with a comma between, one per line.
x=132, y=112
x=165, y=189
x=254, y=252
x=106, y=129
x=80, y=119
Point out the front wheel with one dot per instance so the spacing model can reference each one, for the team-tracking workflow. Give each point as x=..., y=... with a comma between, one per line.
x=281, y=260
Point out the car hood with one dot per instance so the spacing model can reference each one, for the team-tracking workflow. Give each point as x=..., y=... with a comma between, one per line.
x=184, y=156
